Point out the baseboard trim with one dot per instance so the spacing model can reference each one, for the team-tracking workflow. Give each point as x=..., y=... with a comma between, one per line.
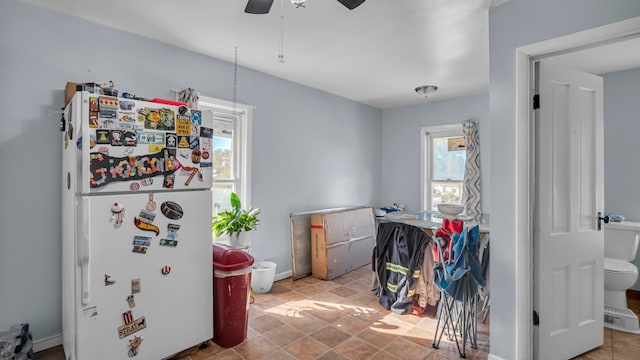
x=493, y=357
x=47, y=343
x=283, y=275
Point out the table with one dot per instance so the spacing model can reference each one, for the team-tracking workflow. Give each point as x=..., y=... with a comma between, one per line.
x=430, y=221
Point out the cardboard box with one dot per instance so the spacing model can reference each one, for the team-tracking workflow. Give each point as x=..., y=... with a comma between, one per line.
x=341, y=242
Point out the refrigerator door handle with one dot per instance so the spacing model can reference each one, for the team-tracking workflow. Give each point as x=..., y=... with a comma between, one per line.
x=84, y=251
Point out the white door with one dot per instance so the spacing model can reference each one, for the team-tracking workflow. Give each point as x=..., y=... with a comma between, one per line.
x=568, y=247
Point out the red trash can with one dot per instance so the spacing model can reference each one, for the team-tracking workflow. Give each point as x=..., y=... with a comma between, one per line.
x=231, y=294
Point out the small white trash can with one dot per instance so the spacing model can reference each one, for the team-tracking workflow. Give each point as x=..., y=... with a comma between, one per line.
x=263, y=274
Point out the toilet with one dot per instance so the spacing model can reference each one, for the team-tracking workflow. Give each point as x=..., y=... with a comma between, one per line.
x=620, y=247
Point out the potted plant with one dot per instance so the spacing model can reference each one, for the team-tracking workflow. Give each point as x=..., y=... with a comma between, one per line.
x=235, y=222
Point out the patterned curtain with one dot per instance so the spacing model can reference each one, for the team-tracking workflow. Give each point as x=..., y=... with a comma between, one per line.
x=471, y=183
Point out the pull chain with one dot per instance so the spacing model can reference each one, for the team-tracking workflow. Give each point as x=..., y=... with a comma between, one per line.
x=281, y=49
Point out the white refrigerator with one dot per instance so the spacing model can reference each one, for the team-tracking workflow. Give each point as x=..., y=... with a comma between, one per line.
x=136, y=228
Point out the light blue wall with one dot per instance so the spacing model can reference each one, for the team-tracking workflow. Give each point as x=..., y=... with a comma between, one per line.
x=310, y=149
x=401, y=145
x=514, y=24
x=621, y=129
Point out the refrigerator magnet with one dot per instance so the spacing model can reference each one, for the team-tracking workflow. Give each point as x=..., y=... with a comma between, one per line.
x=171, y=140
x=196, y=117
x=183, y=142
x=145, y=226
x=116, y=138
x=130, y=138
x=135, y=286
x=102, y=136
x=165, y=270
x=131, y=301
x=147, y=216
x=134, y=345
x=171, y=210
x=169, y=243
x=169, y=181
x=140, y=249
x=107, y=280
x=194, y=142
x=135, y=326
x=191, y=176
x=151, y=205
x=172, y=230
x=117, y=213
x=142, y=240
x=127, y=317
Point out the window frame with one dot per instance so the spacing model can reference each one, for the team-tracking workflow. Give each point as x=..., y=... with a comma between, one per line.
x=427, y=134
x=242, y=139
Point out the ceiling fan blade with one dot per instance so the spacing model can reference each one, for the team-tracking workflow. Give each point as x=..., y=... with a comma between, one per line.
x=351, y=4
x=258, y=6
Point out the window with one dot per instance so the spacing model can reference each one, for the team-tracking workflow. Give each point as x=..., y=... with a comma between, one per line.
x=443, y=162
x=231, y=149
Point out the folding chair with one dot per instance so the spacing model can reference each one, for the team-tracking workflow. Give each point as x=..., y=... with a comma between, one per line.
x=458, y=279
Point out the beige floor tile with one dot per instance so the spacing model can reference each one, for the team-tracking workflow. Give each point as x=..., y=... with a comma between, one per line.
x=228, y=354
x=356, y=349
x=383, y=355
x=255, y=349
x=350, y=324
x=331, y=355
x=330, y=336
x=306, y=348
x=306, y=323
x=265, y=323
x=328, y=314
x=279, y=354
x=406, y=349
x=377, y=338
x=283, y=335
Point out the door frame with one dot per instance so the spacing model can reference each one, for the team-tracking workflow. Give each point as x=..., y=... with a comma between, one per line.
x=524, y=139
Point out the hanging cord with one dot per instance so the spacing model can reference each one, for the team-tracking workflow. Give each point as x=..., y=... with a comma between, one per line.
x=281, y=48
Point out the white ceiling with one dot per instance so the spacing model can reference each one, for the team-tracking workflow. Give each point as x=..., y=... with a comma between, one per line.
x=376, y=54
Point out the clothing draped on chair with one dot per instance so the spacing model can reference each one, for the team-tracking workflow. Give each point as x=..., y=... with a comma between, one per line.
x=471, y=182
x=458, y=277
x=397, y=260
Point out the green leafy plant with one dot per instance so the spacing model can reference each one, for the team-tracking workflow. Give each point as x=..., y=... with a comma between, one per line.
x=235, y=220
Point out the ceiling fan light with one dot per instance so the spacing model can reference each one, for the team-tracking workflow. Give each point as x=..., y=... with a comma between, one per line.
x=426, y=90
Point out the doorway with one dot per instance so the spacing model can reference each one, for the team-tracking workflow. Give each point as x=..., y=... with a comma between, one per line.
x=567, y=46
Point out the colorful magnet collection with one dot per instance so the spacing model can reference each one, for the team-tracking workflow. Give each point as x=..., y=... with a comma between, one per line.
x=125, y=124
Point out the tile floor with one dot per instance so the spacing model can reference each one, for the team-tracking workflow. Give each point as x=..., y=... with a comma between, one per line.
x=341, y=320
x=618, y=345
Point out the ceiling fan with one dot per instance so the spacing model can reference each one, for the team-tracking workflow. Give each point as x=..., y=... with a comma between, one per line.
x=263, y=6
